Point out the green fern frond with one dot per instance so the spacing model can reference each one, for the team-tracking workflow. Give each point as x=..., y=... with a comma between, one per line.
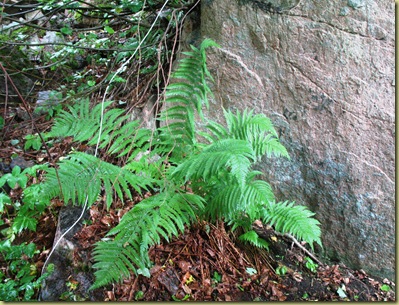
x=118, y=136
x=190, y=92
x=253, y=238
x=161, y=216
x=294, y=219
x=227, y=200
x=256, y=129
x=165, y=160
x=230, y=155
x=84, y=175
x=81, y=121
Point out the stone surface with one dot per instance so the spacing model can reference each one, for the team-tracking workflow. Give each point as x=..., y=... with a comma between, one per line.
x=55, y=286
x=323, y=71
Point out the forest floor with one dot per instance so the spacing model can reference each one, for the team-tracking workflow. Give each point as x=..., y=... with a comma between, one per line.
x=206, y=263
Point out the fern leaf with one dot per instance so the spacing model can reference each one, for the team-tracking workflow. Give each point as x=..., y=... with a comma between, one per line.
x=230, y=154
x=229, y=201
x=253, y=238
x=294, y=219
x=84, y=175
x=256, y=129
x=162, y=215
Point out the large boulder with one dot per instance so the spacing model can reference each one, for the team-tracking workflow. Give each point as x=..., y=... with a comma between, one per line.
x=323, y=71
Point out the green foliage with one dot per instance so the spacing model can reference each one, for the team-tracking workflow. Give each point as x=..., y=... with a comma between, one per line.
x=295, y=219
x=25, y=214
x=253, y=238
x=20, y=281
x=32, y=141
x=310, y=264
x=162, y=215
x=189, y=179
x=385, y=288
x=281, y=270
x=82, y=177
x=15, y=178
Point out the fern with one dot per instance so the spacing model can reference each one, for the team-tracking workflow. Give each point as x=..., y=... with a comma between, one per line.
x=184, y=99
x=253, y=238
x=220, y=172
x=257, y=130
x=84, y=175
x=238, y=205
x=229, y=154
x=162, y=215
x=295, y=219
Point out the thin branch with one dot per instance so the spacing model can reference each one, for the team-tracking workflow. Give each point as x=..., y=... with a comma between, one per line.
x=296, y=242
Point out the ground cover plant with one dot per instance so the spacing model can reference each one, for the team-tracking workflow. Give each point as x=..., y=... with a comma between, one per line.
x=190, y=180
x=179, y=176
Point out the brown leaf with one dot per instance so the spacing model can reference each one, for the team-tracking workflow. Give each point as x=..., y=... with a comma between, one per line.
x=297, y=276
x=185, y=278
x=107, y=220
x=211, y=253
x=186, y=289
x=110, y=296
x=184, y=266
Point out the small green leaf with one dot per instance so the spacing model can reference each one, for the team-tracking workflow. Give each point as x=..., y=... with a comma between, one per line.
x=385, y=288
x=217, y=277
x=4, y=199
x=91, y=83
x=22, y=222
x=281, y=270
x=109, y=29
x=33, y=141
x=66, y=31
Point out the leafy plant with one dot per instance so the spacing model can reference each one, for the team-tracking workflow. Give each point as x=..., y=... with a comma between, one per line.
x=32, y=206
x=190, y=179
x=15, y=178
x=281, y=270
x=312, y=266
x=20, y=281
x=32, y=141
x=217, y=277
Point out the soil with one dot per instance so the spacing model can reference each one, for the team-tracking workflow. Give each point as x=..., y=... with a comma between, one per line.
x=206, y=263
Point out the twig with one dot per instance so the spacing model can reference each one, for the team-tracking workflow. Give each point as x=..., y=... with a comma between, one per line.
x=301, y=247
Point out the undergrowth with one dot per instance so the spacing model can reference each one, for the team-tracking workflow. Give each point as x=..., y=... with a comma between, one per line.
x=192, y=173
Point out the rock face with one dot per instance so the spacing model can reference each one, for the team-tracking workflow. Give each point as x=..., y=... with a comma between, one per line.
x=55, y=286
x=323, y=71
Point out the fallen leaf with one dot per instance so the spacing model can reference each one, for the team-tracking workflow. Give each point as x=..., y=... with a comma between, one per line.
x=186, y=289
x=184, y=266
x=297, y=276
x=211, y=253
